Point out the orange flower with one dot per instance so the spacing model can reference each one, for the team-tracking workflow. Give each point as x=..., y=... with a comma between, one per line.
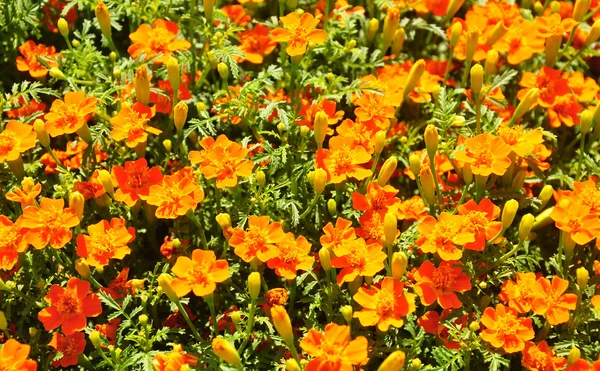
x=256, y=43
x=131, y=124
x=480, y=219
x=520, y=294
x=342, y=160
x=565, y=111
x=309, y=111
x=551, y=300
x=13, y=357
x=552, y=25
x=520, y=43
x=583, y=365
x=50, y=224
x=377, y=199
x=550, y=83
x=29, y=61
x=438, y=325
x=474, y=23
x=109, y=330
x=588, y=194
x=298, y=33
x=236, y=15
x=371, y=226
x=70, y=115
x=93, y=188
x=441, y=283
x=336, y=238
x=12, y=243
x=158, y=39
x=70, y=347
x=199, y=274
x=292, y=255
x=120, y=287
x=361, y=260
x=105, y=241
x=70, y=307
x=384, y=307
x=411, y=209
x=16, y=139
x=176, y=195
x=174, y=360
x=504, y=329
x=25, y=196
x=584, y=88
x=333, y=349
x=443, y=235
x=486, y=153
x=522, y=142
x=134, y=180
x=362, y=134
x=258, y=241
x=541, y=358
x=23, y=109
x=576, y=219
x=163, y=103
x=374, y=110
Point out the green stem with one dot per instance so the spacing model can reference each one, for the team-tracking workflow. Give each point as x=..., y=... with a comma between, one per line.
x=463, y=82
x=573, y=58
x=188, y=320
x=478, y=114
x=448, y=64
x=569, y=41
x=311, y=206
x=249, y=327
x=292, y=284
x=326, y=16
x=502, y=259
x=210, y=299
x=580, y=164
x=198, y=223
x=437, y=183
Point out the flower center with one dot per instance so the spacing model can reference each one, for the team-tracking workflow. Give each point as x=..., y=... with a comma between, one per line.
x=67, y=305
x=444, y=277
x=7, y=142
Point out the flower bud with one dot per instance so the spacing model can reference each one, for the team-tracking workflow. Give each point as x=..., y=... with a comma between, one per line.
x=260, y=178
x=63, y=27
x=399, y=264
x=143, y=319
x=82, y=267
x=538, y=7
x=372, y=29
x=380, y=141
x=453, y=7
x=3, y=322
x=164, y=280
x=223, y=70
x=545, y=195
x=529, y=101
x=292, y=365
x=415, y=164
x=304, y=130
x=497, y=32
x=390, y=25
x=583, y=277
x=431, y=140
x=474, y=326
x=393, y=362
x=455, y=32
x=580, y=9
x=387, y=170
x=552, y=48
x=555, y=6
x=42, y=134
x=283, y=325
x=168, y=145
x=518, y=180
x=142, y=85
x=173, y=73
x=472, y=41
x=594, y=34
x=543, y=219
x=574, y=356
x=428, y=186
x=525, y=226
x=416, y=364
x=112, y=56
x=321, y=125
x=398, y=43
x=77, y=202
x=347, y=313
x=491, y=61
x=390, y=224
x=180, y=113
x=117, y=74
x=325, y=259
x=281, y=128
x=332, y=206
x=95, y=339
x=33, y=331
x=310, y=178
x=585, y=123
x=103, y=16
x=225, y=350
x=508, y=213
x=416, y=71
x=106, y=180
x=57, y=74
x=476, y=80
x=254, y=281
x=320, y=181
x=568, y=243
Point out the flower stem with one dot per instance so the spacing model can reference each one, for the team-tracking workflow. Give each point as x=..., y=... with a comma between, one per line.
x=188, y=320
x=310, y=207
x=210, y=299
x=249, y=326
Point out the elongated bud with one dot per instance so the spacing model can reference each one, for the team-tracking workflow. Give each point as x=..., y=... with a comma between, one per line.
x=543, y=219
x=77, y=202
x=525, y=226
x=554, y=6
x=472, y=41
x=390, y=224
x=235, y=317
x=180, y=113
x=372, y=29
x=416, y=71
x=580, y=9
x=415, y=164
x=574, y=356
x=399, y=264
x=223, y=70
x=63, y=27
x=538, y=7
x=283, y=325
x=3, y=322
x=398, y=43
x=476, y=80
x=509, y=212
x=453, y=7
x=325, y=259
x=225, y=350
x=491, y=61
x=82, y=267
x=455, y=32
x=387, y=170
x=498, y=31
x=142, y=85
x=529, y=100
x=42, y=134
x=568, y=243
x=164, y=280
x=168, y=145
x=261, y=178
x=552, y=48
x=254, y=281
x=209, y=6
x=585, y=123
x=332, y=206
x=103, y=17
x=224, y=221
x=106, y=180
x=518, y=180
x=173, y=73
x=292, y=365
x=95, y=339
x=428, y=186
x=583, y=277
x=390, y=25
x=431, y=140
x=594, y=34
x=545, y=195
x=320, y=181
x=56, y=73
x=321, y=125
x=347, y=313
x=393, y=362
x=379, y=141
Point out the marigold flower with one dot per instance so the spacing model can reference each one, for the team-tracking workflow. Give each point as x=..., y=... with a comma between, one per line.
x=131, y=124
x=256, y=43
x=236, y=15
x=298, y=32
x=120, y=287
x=163, y=103
x=541, y=357
x=259, y=240
x=176, y=195
x=576, y=219
x=486, y=154
x=521, y=42
x=548, y=81
x=522, y=142
x=158, y=39
x=199, y=274
x=437, y=324
x=481, y=220
x=371, y=227
x=105, y=241
x=16, y=139
x=343, y=160
x=309, y=111
x=443, y=235
x=134, y=180
x=565, y=111
x=374, y=110
x=504, y=329
x=361, y=260
x=70, y=346
x=26, y=194
x=333, y=349
x=551, y=300
x=520, y=294
x=92, y=188
x=336, y=238
x=441, y=283
x=49, y=224
x=70, y=116
x=377, y=199
x=12, y=243
x=69, y=307
x=384, y=307
x=29, y=61
x=292, y=256
x=584, y=88
x=173, y=360
x=13, y=356
x=472, y=24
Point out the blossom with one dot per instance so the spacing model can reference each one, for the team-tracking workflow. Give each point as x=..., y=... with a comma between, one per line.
x=336, y=238
x=343, y=160
x=371, y=226
x=576, y=219
x=374, y=110
x=292, y=255
x=70, y=346
x=309, y=111
x=565, y=111
x=360, y=132
x=541, y=357
x=443, y=235
x=552, y=25
x=441, y=283
x=105, y=241
x=472, y=24
x=163, y=103
x=26, y=194
x=486, y=154
x=199, y=274
x=134, y=180
x=29, y=61
x=120, y=287
x=70, y=115
x=520, y=43
x=16, y=139
x=522, y=142
x=24, y=109
x=173, y=360
x=435, y=324
x=377, y=199
x=481, y=220
x=411, y=209
x=49, y=224
x=550, y=83
x=504, y=329
x=158, y=39
x=92, y=188
x=584, y=88
x=256, y=43
x=13, y=357
x=298, y=32
x=361, y=260
x=109, y=330
x=12, y=243
x=552, y=302
x=175, y=196
x=258, y=241
x=131, y=124
x=384, y=307
x=236, y=15
x=69, y=307
x=333, y=349
x=520, y=294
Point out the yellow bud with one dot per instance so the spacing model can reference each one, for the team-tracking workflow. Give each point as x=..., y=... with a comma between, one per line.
x=143, y=319
x=106, y=180
x=321, y=125
x=77, y=202
x=168, y=145
x=398, y=43
x=180, y=113
x=416, y=71
x=387, y=170
x=82, y=267
x=254, y=281
x=292, y=365
x=472, y=41
x=580, y=9
x=529, y=100
x=372, y=29
x=574, y=356
x=390, y=224
x=332, y=206
x=518, y=180
x=393, y=362
x=525, y=226
x=310, y=177
x=347, y=313
x=497, y=32
x=304, y=130
x=173, y=73
x=325, y=259
x=33, y=331
x=538, y=7
x=201, y=106
x=223, y=70
x=458, y=121
x=164, y=280
x=57, y=74
x=431, y=140
x=103, y=16
x=491, y=61
x=390, y=25
x=455, y=32
x=95, y=339
x=399, y=264
x=320, y=181
x=552, y=48
x=209, y=6
x=476, y=80
x=281, y=128
x=583, y=277
x=117, y=74
x=415, y=164
x=380, y=141
x=260, y=178
x=225, y=350
x=3, y=322
x=585, y=123
x=142, y=85
x=508, y=213
x=453, y=7
x=416, y=364
x=474, y=326
x=545, y=195
x=63, y=27
x=235, y=317
x=283, y=325
x=428, y=186
x=594, y=34
x=42, y=134
x=112, y=56
x=543, y=219
x=554, y=7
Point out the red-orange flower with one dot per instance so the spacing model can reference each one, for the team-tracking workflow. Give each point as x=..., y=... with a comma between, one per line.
x=521, y=293
x=92, y=188
x=521, y=42
x=336, y=238
x=377, y=199
x=131, y=124
x=174, y=360
x=163, y=103
x=134, y=180
x=199, y=274
x=333, y=349
x=69, y=307
x=29, y=61
x=12, y=242
x=308, y=112
x=292, y=255
x=105, y=241
x=109, y=330
x=256, y=43
x=120, y=287
x=343, y=160
x=552, y=302
x=576, y=219
x=443, y=235
x=361, y=260
x=13, y=357
x=565, y=111
x=541, y=358
x=550, y=83
x=51, y=223
x=258, y=241
x=298, y=32
x=70, y=346
x=176, y=195
x=375, y=110
x=158, y=39
x=70, y=115
x=486, y=154
x=26, y=194
x=16, y=139
x=480, y=219
x=504, y=329
x=441, y=283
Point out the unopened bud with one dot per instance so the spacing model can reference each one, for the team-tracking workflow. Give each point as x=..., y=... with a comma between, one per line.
x=399, y=264
x=585, y=122
x=552, y=48
x=347, y=313
x=594, y=34
x=260, y=178
x=225, y=350
x=180, y=113
x=574, y=356
x=57, y=74
x=455, y=32
x=416, y=364
x=497, y=32
x=390, y=227
x=453, y=7
x=393, y=362
x=168, y=145
x=431, y=140
x=387, y=170
x=509, y=212
x=283, y=325
x=555, y=6
x=372, y=29
x=398, y=43
x=223, y=70
x=254, y=281
x=173, y=73
x=82, y=267
x=3, y=322
x=580, y=9
x=379, y=141
x=320, y=181
x=321, y=125
x=103, y=17
x=95, y=339
x=416, y=71
x=538, y=7
x=77, y=202
x=164, y=280
x=325, y=259
x=142, y=85
x=545, y=195
x=292, y=365
x=332, y=207
x=476, y=81
x=428, y=186
x=106, y=180
x=491, y=61
x=525, y=226
x=63, y=27
x=474, y=326
x=583, y=277
x=529, y=100
x=415, y=164
x=42, y=134
x=143, y=319
x=472, y=41
x=390, y=25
